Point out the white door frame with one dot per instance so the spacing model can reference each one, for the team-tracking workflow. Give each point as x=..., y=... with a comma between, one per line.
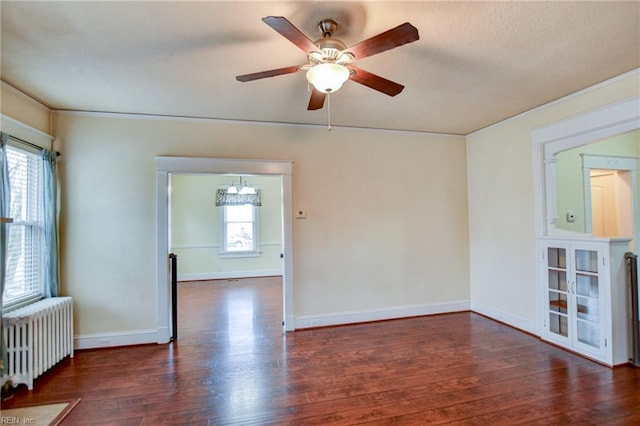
x=197, y=165
x=610, y=162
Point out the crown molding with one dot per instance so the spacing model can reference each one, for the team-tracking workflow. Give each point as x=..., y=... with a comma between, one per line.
x=160, y=117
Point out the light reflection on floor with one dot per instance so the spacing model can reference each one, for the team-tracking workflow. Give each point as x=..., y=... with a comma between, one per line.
x=243, y=320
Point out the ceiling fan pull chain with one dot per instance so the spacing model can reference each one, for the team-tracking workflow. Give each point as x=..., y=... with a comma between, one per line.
x=329, y=111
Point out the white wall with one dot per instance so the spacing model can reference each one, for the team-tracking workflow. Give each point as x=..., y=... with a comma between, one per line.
x=501, y=203
x=386, y=225
x=196, y=231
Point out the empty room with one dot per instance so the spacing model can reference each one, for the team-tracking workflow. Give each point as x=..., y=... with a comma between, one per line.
x=306, y=212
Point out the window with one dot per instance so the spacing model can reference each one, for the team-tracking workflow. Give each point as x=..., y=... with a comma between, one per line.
x=240, y=229
x=24, y=261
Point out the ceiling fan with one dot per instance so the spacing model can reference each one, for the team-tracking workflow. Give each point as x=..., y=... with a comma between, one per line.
x=330, y=61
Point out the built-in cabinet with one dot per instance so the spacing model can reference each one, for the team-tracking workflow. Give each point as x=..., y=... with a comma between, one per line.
x=584, y=296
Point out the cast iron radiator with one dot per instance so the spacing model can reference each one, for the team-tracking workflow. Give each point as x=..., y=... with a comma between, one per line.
x=632, y=281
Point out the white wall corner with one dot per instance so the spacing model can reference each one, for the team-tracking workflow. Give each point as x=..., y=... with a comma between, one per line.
x=515, y=321
x=23, y=96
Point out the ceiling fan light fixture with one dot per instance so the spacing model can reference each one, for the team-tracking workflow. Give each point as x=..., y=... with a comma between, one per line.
x=328, y=77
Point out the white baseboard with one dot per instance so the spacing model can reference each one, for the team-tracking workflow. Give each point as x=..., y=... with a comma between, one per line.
x=227, y=275
x=140, y=337
x=352, y=317
x=509, y=319
x=105, y=340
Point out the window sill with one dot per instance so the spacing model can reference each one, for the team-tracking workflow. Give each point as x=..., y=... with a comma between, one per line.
x=21, y=302
x=239, y=254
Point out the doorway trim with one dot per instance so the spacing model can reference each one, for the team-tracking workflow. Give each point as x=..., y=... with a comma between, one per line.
x=165, y=166
x=582, y=129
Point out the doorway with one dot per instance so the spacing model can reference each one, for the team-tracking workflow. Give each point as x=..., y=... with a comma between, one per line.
x=611, y=196
x=224, y=245
x=165, y=166
x=215, y=241
x=611, y=203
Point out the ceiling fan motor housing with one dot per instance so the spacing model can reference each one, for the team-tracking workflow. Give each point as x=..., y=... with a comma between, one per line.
x=327, y=27
x=329, y=46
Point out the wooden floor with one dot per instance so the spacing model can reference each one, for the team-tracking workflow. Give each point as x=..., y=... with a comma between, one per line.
x=233, y=365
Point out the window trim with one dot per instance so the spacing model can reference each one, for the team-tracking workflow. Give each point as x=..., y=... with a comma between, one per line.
x=33, y=139
x=230, y=254
x=34, y=296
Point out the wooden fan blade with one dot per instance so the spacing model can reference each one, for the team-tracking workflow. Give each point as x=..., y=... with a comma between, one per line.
x=375, y=82
x=290, y=32
x=317, y=100
x=270, y=73
x=402, y=34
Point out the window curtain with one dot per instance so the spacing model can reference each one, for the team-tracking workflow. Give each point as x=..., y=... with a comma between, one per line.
x=50, y=206
x=5, y=203
x=225, y=199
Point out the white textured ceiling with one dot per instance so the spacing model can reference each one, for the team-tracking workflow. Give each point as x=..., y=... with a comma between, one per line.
x=476, y=63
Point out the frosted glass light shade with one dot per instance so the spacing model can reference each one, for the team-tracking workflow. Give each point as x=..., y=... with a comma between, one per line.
x=247, y=190
x=328, y=77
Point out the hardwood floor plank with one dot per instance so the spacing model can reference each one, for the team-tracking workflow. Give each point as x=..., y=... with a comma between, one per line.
x=233, y=365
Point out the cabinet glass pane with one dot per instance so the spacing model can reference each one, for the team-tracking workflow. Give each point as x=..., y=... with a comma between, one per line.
x=589, y=333
x=587, y=285
x=557, y=257
x=557, y=302
x=558, y=324
x=587, y=260
x=557, y=280
x=588, y=309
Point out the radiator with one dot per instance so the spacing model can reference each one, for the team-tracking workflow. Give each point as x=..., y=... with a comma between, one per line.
x=634, y=290
x=37, y=336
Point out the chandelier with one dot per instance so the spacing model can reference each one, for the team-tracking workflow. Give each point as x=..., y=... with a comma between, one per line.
x=238, y=194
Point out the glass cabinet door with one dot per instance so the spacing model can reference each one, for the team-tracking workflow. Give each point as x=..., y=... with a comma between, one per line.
x=587, y=293
x=557, y=291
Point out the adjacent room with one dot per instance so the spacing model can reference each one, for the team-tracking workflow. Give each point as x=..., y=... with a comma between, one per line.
x=304, y=212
